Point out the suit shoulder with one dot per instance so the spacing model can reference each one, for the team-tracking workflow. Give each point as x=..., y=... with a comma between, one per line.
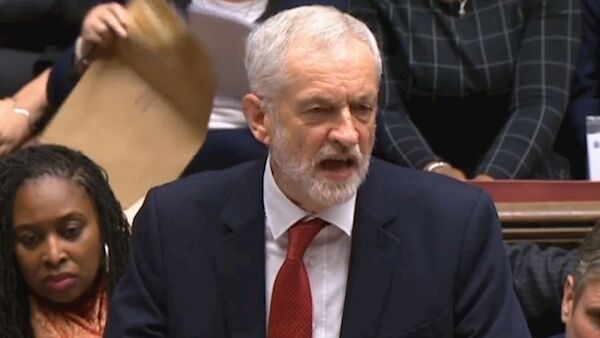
x=420, y=182
x=206, y=186
x=426, y=192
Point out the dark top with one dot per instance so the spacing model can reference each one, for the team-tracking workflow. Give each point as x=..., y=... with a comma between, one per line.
x=539, y=277
x=486, y=91
x=41, y=25
x=586, y=91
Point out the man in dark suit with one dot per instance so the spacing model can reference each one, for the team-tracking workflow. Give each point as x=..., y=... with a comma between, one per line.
x=306, y=243
x=581, y=299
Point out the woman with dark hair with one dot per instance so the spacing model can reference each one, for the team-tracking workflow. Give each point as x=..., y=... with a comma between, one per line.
x=63, y=244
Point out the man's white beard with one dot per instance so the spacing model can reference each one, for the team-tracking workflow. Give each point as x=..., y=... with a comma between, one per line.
x=303, y=173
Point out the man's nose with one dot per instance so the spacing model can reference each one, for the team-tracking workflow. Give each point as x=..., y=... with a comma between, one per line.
x=345, y=132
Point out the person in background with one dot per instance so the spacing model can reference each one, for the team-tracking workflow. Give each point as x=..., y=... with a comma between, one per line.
x=63, y=244
x=585, y=95
x=22, y=114
x=317, y=239
x=581, y=300
x=475, y=89
x=33, y=33
x=539, y=276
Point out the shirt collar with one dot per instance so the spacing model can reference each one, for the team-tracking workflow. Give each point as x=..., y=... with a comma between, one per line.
x=281, y=213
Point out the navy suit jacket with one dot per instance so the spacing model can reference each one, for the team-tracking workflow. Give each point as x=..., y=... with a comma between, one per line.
x=427, y=260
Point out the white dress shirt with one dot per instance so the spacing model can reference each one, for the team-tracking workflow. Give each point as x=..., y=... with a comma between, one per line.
x=326, y=259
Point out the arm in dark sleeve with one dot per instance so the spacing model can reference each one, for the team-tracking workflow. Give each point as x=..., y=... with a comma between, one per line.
x=398, y=139
x=485, y=302
x=63, y=79
x=138, y=307
x=585, y=98
x=541, y=85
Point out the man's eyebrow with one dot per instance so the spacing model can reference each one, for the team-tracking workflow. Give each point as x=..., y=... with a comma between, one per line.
x=593, y=310
x=318, y=99
x=366, y=97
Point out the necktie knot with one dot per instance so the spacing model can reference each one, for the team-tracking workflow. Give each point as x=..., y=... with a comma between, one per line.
x=301, y=235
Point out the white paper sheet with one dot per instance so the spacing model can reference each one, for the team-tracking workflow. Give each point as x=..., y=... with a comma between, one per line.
x=224, y=37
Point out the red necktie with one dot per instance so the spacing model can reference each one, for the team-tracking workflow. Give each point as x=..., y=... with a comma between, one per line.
x=291, y=302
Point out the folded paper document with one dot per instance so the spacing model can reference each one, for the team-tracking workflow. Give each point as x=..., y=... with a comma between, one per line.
x=141, y=110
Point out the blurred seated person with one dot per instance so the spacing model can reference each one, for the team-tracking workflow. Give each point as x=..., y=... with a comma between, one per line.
x=474, y=89
x=581, y=300
x=539, y=276
x=32, y=34
x=63, y=244
x=229, y=140
x=585, y=96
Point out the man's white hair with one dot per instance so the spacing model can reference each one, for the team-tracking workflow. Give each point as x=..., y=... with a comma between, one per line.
x=324, y=29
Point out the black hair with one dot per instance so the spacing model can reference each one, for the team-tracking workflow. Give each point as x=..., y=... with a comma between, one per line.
x=61, y=162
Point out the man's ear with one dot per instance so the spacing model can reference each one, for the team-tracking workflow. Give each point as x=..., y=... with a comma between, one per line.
x=568, y=300
x=258, y=119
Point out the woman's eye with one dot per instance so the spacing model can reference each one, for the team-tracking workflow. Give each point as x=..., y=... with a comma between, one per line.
x=72, y=231
x=30, y=239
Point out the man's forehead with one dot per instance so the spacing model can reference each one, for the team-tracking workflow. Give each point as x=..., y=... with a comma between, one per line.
x=591, y=290
x=304, y=63
x=313, y=49
x=593, y=283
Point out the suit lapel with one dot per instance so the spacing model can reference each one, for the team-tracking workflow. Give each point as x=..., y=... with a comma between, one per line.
x=240, y=258
x=372, y=262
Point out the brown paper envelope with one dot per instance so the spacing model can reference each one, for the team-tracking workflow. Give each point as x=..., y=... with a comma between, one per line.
x=141, y=112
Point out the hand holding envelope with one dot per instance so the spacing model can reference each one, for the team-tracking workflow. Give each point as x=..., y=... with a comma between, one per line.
x=141, y=109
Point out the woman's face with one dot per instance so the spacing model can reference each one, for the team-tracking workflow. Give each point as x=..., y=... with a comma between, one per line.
x=57, y=238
